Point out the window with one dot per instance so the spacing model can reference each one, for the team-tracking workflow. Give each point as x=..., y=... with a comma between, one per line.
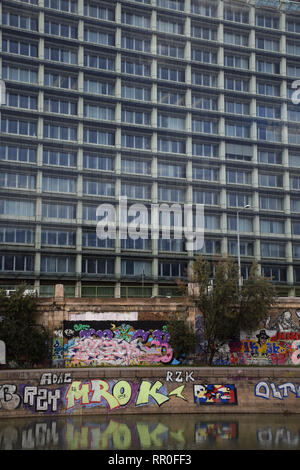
x=205, y=173
x=294, y=160
x=170, y=170
x=170, y=145
x=170, y=194
x=296, y=228
x=295, y=205
x=238, y=176
x=204, y=102
x=106, y=113
x=16, y=262
x=211, y=246
x=171, y=122
x=171, y=244
x=22, y=21
x=167, y=26
x=16, y=235
x=136, y=117
x=60, y=106
x=14, y=126
x=136, y=141
x=245, y=223
x=17, y=180
x=59, y=80
x=56, y=54
x=69, y=6
x=136, y=268
x=204, y=55
x=135, y=191
x=265, y=20
x=236, y=61
x=59, y=184
x=236, y=84
x=51, y=210
x=204, y=150
x=294, y=182
x=90, y=239
x=169, y=73
x=246, y=248
x=98, y=188
x=99, y=87
x=293, y=114
x=141, y=167
x=271, y=180
x=271, y=203
x=238, y=199
x=236, y=107
x=133, y=19
x=292, y=26
x=93, y=136
x=106, y=38
x=211, y=222
x=296, y=251
x=209, y=198
x=272, y=250
x=269, y=156
x=238, y=152
x=293, y=136
x=205, y=126
x=293, y=48
x=60, y=29
x=21, y=101
x=268, y=89
x=52, y=131
x=271, y=133
x=19, y=47
x=204, y=8
x=238, y=39
x=170, y=50
x=204, y=79
x=267, y=44
x=99, y=61
x=57, y=237
x=98, y=162
x=135, y=43
x=57, y=264
x=237, y=129
x=19, y=74
x=275, y=273
x=97, y=11
x=174, y=269
x=268, y=111
x=17, y=208
x=272, y=226
x=172, y=4
x=135, y=67
x=236, y=14
x=22, y=154
x=203, y=32
x=59, y=158
x=136, y=92
x=266, y=66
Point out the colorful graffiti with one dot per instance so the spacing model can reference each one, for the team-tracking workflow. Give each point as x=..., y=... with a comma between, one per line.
x=276, y=343
x=215, y=394
x=105, y=343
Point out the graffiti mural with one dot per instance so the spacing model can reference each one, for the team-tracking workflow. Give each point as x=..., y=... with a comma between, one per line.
x=270, y=390
x=277, y=342
x=215, y=394
x=97, y=343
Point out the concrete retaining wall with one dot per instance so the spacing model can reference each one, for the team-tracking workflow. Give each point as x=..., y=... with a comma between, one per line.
x=108, y=391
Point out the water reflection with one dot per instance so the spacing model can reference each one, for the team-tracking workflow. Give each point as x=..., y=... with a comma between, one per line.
x=152, y=432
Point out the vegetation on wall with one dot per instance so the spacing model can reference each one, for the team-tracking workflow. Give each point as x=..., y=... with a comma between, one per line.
x=27, y=343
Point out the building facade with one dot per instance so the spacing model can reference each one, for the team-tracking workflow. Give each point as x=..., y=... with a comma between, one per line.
x=158, y=101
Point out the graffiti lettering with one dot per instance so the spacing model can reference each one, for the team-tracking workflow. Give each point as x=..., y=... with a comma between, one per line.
x=41, y=398
x=9, y=399
x=262, y=389
x=215, y=394
x=50, y=378
x=116, y=394
x=180, y=376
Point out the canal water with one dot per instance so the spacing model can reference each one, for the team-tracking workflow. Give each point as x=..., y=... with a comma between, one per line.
x=153, y=432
